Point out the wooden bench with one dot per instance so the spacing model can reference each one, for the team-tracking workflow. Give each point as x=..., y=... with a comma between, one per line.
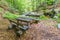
x=23, y=21
x=19, y=24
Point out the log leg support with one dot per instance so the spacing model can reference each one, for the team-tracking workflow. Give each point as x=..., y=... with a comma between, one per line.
x=12, y=25
x=21, y=28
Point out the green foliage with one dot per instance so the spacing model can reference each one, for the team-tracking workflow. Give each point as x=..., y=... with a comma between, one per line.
x=58, y=15
x=26, y=5
x=50, y=2
x=1, y=9
x=23, y=5
x=10, y=16
x=42, y=17
x=57, y=19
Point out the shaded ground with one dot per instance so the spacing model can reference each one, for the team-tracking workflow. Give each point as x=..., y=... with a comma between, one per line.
x=44, y=30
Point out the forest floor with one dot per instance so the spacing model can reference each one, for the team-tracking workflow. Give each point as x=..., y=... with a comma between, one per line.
x=44, y=30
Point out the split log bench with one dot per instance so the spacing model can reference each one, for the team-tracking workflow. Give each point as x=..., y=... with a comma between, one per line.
x=22, y=24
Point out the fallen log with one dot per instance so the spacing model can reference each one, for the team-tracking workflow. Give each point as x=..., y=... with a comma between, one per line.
x=34, y=14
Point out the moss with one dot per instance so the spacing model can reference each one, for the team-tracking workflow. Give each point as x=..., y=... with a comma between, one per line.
x=1, y=9
x=9, y=15
x=43, y=17
x=57, y=19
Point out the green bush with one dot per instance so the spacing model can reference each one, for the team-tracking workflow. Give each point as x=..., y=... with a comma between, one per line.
x=50, y=2
x=26, y=5
x=57, y=19
x=23, y=5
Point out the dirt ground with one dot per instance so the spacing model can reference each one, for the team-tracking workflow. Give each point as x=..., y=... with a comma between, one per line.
x=4, y=33
x=44, y=30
